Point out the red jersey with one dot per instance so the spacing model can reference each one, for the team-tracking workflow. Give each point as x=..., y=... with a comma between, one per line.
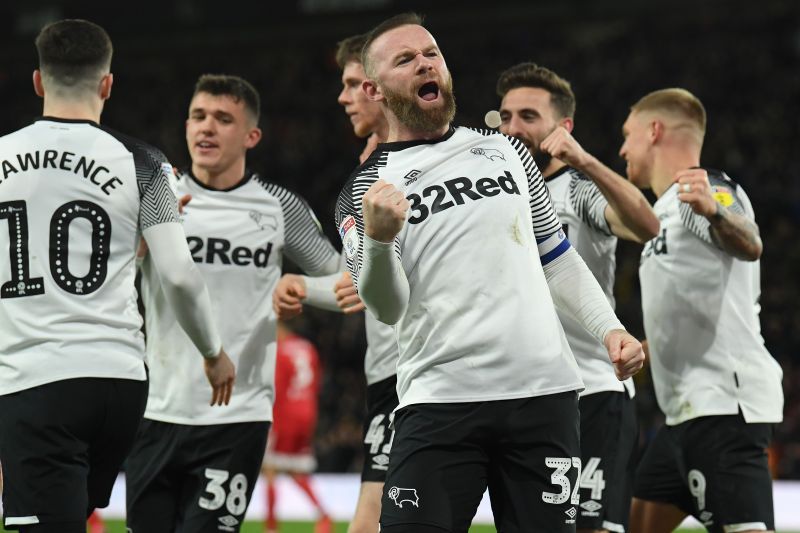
x=297, y=382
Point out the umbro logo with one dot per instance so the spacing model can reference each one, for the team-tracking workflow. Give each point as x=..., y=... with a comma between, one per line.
x=227, y=523
x=381, y=462
x=571, y=513
x=590, y=508
x=411, y=177
x=489, y=153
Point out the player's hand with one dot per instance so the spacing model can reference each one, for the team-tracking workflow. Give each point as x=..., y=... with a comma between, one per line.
x=287, y=299
x=695, y=190
x=562, y=145
x=221, y=374
x=625, y=353
x=385, y=209
x=346, y=295
x=141, y=251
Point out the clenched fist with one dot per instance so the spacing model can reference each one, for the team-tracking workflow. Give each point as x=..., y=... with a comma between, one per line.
x=563, y=146
x=625, y=352
x=384, y=208
x=695, y=190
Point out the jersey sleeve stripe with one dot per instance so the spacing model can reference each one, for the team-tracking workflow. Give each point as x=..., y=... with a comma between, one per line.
x=552, y=247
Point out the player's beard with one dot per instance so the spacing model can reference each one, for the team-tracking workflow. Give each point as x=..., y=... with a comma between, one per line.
x=542, y=160
x=414, y=117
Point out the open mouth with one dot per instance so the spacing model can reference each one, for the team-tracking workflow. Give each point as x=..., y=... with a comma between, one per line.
x=205, y=145
x=429, y=91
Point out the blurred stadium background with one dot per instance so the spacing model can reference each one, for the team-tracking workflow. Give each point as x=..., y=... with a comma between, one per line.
x=742, y=58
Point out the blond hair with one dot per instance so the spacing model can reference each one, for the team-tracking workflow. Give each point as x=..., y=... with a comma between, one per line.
x=675, y=102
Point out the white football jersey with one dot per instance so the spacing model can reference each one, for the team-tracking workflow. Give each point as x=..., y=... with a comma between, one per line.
x=73, y=198
x=480, y=323
x=238, y=238
x=581, y=208
x=701, y=317
x=380, y=361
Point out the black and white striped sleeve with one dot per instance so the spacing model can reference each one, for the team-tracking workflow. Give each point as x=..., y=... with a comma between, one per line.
x=589, y=203
x=157, y=202
x=550, y=237
x=305, y=243
x=726, y=193
x=349, y=218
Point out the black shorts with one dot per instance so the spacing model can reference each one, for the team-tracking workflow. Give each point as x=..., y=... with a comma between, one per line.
x=444, y=456
x=378, y=432
x=62, y=445
x=192, y=479
x=609, y=435
x=713, y=468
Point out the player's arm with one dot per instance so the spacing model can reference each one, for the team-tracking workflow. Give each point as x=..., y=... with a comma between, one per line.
x=728, y=227
x=334, y=292
x=628, y=213
x=369, y=236
x=574, y=289
x=180, y=280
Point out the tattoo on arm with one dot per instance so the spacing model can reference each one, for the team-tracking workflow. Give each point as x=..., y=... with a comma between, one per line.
x=735, y=234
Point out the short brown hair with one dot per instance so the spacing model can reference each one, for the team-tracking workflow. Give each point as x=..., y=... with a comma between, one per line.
x=73, y=52
x=237, y=88
x=349, y=49
x=532, y=75
x=675, y=101
x=403, y=19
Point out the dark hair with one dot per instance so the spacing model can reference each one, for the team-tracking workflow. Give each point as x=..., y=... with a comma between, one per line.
x=532, y=75
x=73, y=51
x=237, y=88
x=403, y=19
x=349, y=49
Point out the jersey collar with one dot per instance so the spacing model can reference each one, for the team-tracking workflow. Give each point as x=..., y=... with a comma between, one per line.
x=557, y=173
x=248, y=175
x=67, y=120
x=402, y=145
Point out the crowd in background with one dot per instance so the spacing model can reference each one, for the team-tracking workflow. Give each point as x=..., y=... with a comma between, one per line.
x=743, y=62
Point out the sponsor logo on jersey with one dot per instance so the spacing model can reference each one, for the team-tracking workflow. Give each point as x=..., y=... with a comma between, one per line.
x=455, y=192
x=220, y=251
x=590, y=508
x=349, y=235
x=656, y=246
x=571, y=514
x=400, y=496
x=411, y=177
x=227, y=523
x=722, y=195
x=264, y=221
x=489, y=153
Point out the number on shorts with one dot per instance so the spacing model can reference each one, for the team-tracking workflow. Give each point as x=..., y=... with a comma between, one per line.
x=388, y=447
x=562, y=466
x=592, y=478
x=375, y=434
x=697, y=486
x=236, y=501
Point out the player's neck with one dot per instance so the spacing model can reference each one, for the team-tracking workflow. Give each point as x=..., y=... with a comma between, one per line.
x=72, y=110
x=552, y=167
x=382, y=132
x=399, y=132
x=224, y=179
x=669, y=163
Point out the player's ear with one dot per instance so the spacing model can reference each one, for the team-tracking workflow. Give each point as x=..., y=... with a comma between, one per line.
x=655, y=130
x=253, y=138
x=105, y=86
x=372, y=90
x=567, y=123
x=38, y=87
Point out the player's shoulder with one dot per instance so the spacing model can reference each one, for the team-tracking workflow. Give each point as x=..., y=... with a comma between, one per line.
x=493, y=136
x=364, y=175
x=274, y=189
x=720, y=178
x=144, y=154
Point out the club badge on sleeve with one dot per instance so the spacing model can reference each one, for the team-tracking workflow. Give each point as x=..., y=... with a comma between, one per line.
x=349, y=235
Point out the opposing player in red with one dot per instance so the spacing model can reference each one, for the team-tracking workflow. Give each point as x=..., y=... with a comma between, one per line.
x=290, y=444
